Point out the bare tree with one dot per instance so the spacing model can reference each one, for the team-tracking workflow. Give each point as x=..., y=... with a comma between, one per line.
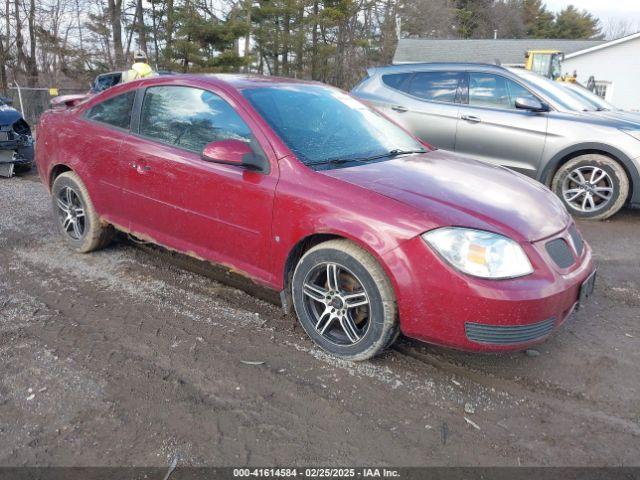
x=115, y=18
x=427, y=18
x=620, y=27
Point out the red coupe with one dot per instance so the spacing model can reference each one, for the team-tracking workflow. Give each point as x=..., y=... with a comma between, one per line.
x=364, y=230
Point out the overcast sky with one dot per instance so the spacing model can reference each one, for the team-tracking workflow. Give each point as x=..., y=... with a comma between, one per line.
x=612, y=10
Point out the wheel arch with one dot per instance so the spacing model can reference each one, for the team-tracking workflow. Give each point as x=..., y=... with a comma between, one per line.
x=56, y=171
x=615, y=154
x=309, y=241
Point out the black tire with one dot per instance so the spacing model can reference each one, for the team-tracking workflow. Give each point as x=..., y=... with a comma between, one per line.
x=615, y=186
x=371, y=327
x=91, y=233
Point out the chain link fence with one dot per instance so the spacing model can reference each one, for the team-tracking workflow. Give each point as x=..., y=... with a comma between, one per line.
x=33, y=101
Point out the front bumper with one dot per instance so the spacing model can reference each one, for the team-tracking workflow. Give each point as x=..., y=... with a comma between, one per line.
x=15, y=148
x=440, y=305
x=17, y=157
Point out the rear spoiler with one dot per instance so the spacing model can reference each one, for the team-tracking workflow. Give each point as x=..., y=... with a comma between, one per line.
x=63, y=102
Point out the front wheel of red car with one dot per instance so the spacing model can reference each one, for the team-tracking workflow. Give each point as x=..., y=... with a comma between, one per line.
x=76, y=218
x=344, y=300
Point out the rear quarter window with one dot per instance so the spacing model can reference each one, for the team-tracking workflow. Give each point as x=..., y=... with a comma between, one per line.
x=115, y=111
x=397, y=81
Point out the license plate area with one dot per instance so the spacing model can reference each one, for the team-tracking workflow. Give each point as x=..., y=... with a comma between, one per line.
x=587, y=287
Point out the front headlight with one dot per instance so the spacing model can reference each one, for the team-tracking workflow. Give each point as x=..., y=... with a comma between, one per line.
x=479, y=253
x=634, y=133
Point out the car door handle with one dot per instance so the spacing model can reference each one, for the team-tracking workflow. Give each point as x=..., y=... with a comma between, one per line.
x=399, y=108
x=471, y=118
x=140, y=168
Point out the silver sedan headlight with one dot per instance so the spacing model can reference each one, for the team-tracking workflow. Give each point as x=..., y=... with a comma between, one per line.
x=479, y=253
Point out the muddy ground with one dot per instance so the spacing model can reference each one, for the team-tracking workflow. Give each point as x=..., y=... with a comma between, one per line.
x=124, y=357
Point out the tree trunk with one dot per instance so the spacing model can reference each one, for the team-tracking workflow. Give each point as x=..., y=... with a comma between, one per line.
x=32, y=64
x=169, y=33
x=4, y=84
x=115, y=18
x=340, y=50
x=286, y=41
x=247, y=38
x=142, y=35
x=314, y=42
x=83, y=55
x=155, y=31
x=276, y=47
x=300, y=41
x=22, y=58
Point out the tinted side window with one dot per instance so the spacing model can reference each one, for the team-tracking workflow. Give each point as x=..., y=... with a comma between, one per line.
x=397, y=80
x=114, y=111
x=516, y=91
x=488, y=90
x=190, y=118
x=436, y=86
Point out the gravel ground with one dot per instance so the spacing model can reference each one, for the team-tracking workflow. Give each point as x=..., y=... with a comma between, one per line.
x=135, y=357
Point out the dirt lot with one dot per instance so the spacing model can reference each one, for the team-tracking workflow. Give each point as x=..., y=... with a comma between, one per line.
x=121, y=357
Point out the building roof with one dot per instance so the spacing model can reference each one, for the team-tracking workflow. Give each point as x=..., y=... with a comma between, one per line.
x=602, y=45
x=507, y=51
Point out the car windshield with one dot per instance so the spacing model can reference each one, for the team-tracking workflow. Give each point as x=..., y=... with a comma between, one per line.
x=596, y=102
x=555, y=91
x=324, y=125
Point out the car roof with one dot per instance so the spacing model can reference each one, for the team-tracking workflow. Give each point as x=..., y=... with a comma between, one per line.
x=108, y=73
x=236, y=81
x=436, y=66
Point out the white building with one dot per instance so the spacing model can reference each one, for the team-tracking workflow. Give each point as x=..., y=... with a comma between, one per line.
x=615, y=67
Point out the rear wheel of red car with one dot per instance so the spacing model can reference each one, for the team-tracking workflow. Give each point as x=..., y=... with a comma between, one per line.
x=344, y=300
x=592, y=186
x=77, y=220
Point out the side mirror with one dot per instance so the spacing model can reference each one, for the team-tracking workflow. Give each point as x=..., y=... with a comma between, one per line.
x=531, y=104
x=232, y=152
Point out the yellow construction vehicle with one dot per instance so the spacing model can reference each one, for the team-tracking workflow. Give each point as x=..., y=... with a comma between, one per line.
x=547, y=63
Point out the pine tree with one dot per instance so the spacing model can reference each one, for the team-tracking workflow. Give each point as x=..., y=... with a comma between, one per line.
x=539, y=22
x=574, y=23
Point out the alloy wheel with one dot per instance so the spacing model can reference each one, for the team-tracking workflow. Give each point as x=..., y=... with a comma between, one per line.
x=337, y=302
x=71, y=214
x=588, y=188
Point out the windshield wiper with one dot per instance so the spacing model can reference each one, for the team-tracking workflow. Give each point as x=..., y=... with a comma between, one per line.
x=389, y=154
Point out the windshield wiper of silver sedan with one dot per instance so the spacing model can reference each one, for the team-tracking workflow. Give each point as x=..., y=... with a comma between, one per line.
x=389, y=154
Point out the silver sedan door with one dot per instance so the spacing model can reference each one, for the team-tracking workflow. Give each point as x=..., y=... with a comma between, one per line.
x=493, y=130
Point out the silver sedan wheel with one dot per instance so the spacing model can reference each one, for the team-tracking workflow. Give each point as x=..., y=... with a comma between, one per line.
x=337, y=302
x=588, y=188
x=71, y=213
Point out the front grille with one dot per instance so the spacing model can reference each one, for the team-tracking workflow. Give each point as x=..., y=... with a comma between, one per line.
x=578, y=243
x=508, y=334
x=560, y=252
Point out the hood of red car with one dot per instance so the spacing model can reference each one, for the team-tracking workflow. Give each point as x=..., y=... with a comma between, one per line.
x=456, y=191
